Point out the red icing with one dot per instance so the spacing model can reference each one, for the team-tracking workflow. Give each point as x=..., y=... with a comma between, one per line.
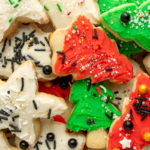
x=98, y=90
x=92, y=56
x=55, y=90
x=140, y=127
x=59, y=118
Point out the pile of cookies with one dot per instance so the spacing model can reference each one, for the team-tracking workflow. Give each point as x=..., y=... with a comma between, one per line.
x=74, y=74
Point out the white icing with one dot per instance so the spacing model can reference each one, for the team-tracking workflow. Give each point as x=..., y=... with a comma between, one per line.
x=88, y=8
x=30, y=9
x=125, y=143
x=25, y=109
x=61, y=137
x=42, y=56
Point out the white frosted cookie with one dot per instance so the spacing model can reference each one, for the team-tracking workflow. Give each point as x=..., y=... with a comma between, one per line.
x=63, y=12
x=21, y=103
x=27, y=43
x=12, y=11
x=54, y=136
x=123, y=90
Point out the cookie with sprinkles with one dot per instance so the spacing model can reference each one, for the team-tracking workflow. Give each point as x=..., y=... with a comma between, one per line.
x=130, y=22
x=93, y=111
x=27, y=43
x=123, y=90
x=54, y=136
x=12, y=11
x=131, y=130
x=21, y=103
x=85, y=51
x=63, y=13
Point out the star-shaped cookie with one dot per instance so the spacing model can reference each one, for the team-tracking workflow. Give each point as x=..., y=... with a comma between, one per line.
x=12, y=11
x=27, y=43
x=21, y=103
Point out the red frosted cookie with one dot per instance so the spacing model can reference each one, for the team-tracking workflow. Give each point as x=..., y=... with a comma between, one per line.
x=85, y=51
x=132, y=130
x=59, y=87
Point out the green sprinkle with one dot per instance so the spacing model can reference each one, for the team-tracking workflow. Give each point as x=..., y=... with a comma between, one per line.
x=59, y=7
x=46, y=8
x=11, y=2
x=75, y=28
x=16, y=5
x=10, y=19
x=19, y=0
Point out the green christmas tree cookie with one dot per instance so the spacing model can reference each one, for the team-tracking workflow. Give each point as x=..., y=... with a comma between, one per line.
x=92, y=109
x=126, y=48
x=130, y=23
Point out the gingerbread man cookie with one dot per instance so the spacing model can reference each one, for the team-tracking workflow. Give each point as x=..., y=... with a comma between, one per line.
x=12, y=11
x=132, y=130
x=63, y=13
x=54, y=136
x=27, y=43
x=85, y=51
x=130, y=22
x=21, y=103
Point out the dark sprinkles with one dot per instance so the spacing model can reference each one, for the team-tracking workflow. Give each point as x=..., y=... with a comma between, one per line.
x=131, y=115
x=108, y=69
x=64, y=56
x=40, y=50
x=22, y=84
x=35, y=105
x=15, y=117
x=3, y=118
x=144, y=116
x=47, y=41
x=32, y=33
x=89, y=85
x=4, y=45
x=74, y=64
x=107, y=100
x=110, y=117
x=3, y=112
x=54, y=144
x=95, y=34
x=94, y=94
x=47, y=145
x=118, y=98
x=42, y=43
x=49, y=114
x=36, y=146
x=116, y=92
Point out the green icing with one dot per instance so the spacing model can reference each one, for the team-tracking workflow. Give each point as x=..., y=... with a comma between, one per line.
x=126, y=48
x=90, y=107
x=106, y=5
x=137, y=29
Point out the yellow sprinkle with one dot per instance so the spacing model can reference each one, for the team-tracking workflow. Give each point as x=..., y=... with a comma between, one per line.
x=17, y=78
x=87, y=27
x=10, y=101
x=28, y=47
x=110, y=111
x=80, y=69
x=83, y=22
x=20, y=105
x=46, y=113
x=27, y=42
x=31, y=40
x=50, y=35
x=95, y=76
x=18, y=92
x=48, y=84
x=80, y=42
x=82, y=58
x=148, y=12
x=110, y=97
x=141, y=15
